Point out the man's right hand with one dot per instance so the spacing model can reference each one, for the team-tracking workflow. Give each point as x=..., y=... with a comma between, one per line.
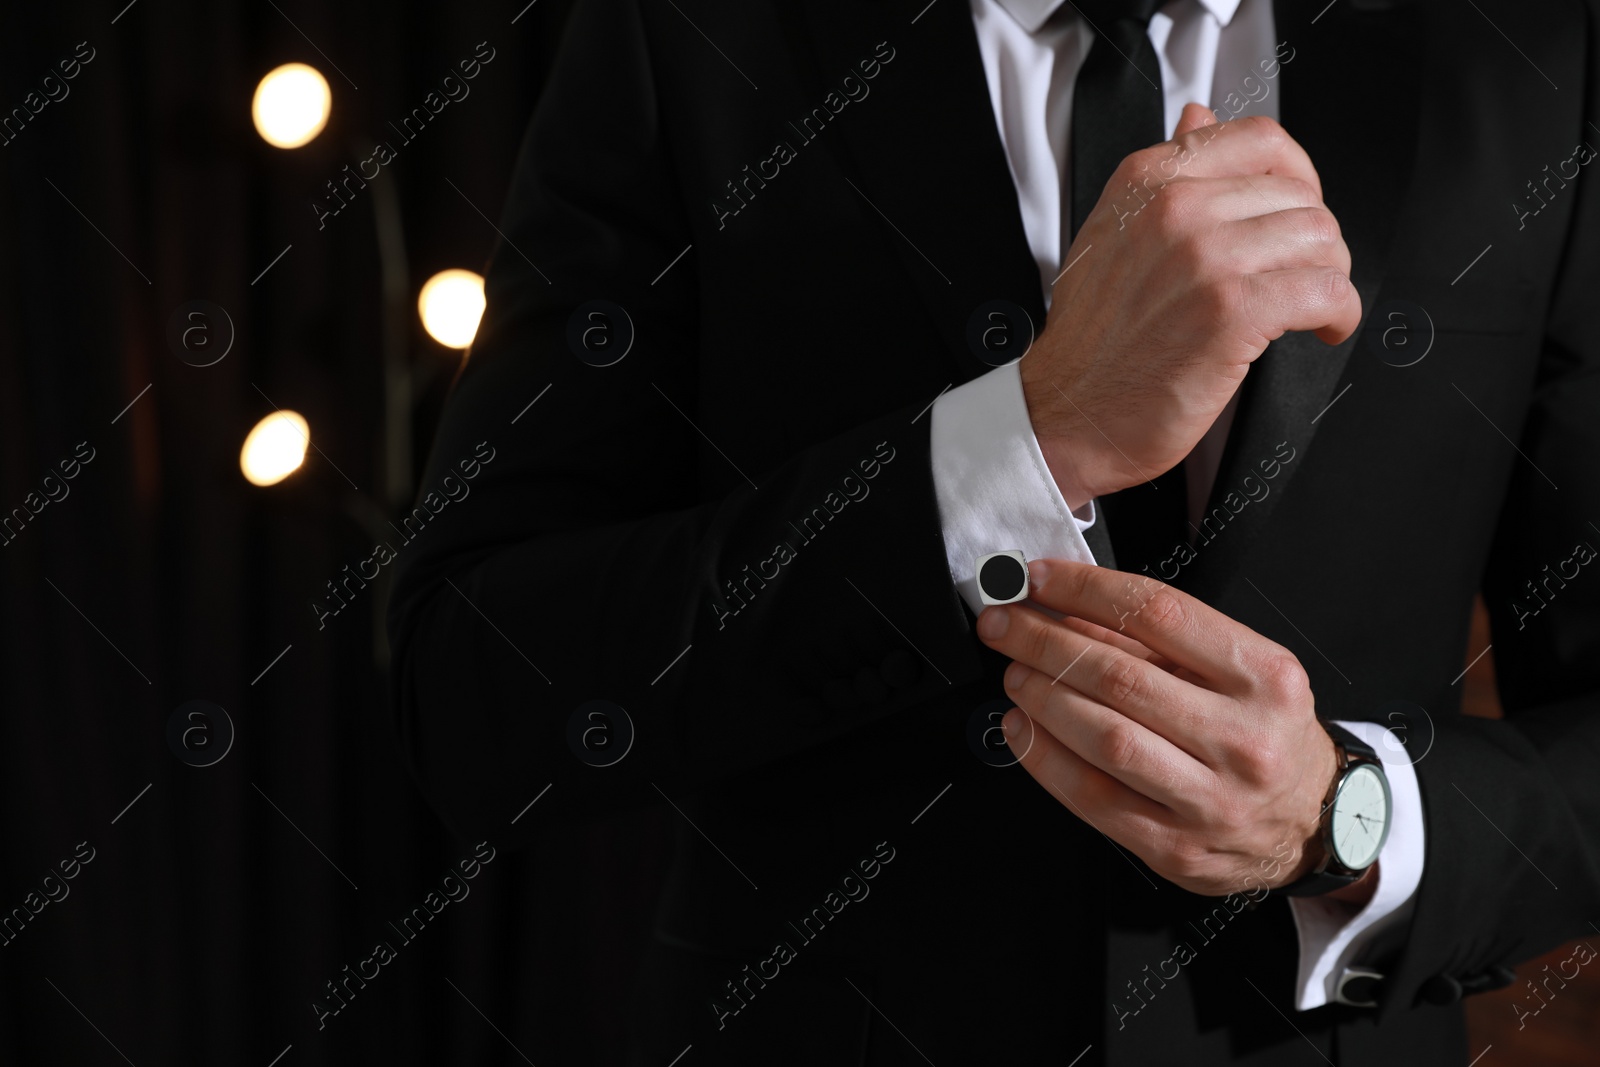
x=1172, y=291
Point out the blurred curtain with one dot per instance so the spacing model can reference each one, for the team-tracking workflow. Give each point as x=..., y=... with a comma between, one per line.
x=216, y=907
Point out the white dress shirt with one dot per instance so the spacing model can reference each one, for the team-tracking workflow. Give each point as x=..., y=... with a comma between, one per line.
x=993, y=488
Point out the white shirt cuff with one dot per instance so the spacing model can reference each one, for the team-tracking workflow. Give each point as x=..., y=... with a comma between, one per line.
x=1333, y=934
x=994, y=491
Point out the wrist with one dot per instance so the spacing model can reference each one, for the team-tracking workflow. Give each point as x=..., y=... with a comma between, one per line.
x=1068, y=454
x=1318, y=854
x=1060, y=458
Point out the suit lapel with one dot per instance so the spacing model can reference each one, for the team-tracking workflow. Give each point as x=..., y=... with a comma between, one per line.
x=1360, y=133
x=925, y=157
x=927, y=153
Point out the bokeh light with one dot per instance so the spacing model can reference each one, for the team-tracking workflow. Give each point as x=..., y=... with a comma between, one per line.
x=291, y=105
x=451, y=303
x=275, y=448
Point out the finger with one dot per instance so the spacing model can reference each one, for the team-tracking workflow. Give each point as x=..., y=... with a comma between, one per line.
x=1165, y=620
x=1122, y=815
x=1137, y=756
x=1194, y=116
x=1095, y=631
x=1228, y=198
x=1127, y=644
x=1251, y=145
x=1334, y=334
x=1285, y=240
x=1099, y=633
x=1302, y=298
x=1150, y=697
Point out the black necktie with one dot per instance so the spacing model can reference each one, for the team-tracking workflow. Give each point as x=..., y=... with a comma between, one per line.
x=1117, y=105
x=1118, y=108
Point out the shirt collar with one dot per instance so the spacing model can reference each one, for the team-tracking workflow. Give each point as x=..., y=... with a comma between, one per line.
x=1032, y=14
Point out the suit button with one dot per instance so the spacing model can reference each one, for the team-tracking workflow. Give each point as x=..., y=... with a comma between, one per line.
x=1441, y=989
x=840, y=695
x=1495, y=977
x=900, y=668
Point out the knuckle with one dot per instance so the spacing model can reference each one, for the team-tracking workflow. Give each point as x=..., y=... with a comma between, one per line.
x=1267, y=130
x=1281, y=676
x=1305, y=193
x=1187, y=855
x=1137, y=163
x=1180, y=206
x=1322, y=226
x=1163, y=612
x=1335, y=286
x=1122, y=681
x=1121, y=746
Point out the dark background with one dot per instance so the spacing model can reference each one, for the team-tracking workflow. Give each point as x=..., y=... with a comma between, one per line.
x=206, y=923
x=219, y=903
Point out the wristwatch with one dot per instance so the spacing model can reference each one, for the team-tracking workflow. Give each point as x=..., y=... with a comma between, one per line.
x=1354, y=820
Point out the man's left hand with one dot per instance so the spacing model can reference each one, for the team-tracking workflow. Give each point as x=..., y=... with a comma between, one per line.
x=1182, y=735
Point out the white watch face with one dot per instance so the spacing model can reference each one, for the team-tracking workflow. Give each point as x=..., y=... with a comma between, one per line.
x=1360, y=816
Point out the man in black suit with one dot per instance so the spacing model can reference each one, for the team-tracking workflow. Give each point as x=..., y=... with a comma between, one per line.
x=705, y=562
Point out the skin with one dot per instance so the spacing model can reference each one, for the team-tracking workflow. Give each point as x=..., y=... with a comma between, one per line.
x=1184, y=736
x=1160, y=314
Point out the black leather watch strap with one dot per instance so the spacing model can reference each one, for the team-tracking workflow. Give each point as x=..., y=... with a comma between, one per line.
x=1348, y=741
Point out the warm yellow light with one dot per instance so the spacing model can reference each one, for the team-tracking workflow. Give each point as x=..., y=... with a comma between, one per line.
x=451, y=303
x=275, y=448
x=291, y=105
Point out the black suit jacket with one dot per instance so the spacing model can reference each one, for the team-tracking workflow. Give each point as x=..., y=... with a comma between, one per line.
x=808, y=713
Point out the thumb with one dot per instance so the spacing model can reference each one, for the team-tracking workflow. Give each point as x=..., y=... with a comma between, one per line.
x=1194, y=117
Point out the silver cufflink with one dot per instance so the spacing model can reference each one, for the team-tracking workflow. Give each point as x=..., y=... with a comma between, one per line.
x=1358, y=987
x=1003, y=577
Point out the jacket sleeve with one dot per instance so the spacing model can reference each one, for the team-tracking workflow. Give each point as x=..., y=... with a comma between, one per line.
x=1513, y=805
x=579, y=539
